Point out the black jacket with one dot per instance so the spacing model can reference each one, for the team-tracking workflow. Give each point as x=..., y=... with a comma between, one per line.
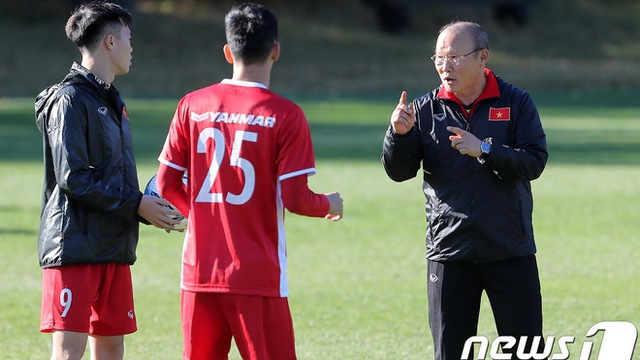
x=475, y=212
x=91, y=193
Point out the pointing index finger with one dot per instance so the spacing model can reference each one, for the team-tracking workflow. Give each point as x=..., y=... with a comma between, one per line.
x=403, y=98
x=456, y=130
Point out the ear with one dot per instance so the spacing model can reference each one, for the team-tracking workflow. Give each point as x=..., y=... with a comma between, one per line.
x=109, y=41
x=275, y=53
x=226, y=49
x=484, y=55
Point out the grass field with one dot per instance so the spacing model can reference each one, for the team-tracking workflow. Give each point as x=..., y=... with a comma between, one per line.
x=358, y=286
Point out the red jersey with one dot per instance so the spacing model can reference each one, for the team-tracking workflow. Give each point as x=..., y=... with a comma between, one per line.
x=237, y=141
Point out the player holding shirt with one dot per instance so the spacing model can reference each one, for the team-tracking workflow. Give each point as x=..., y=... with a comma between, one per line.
x=247, y=153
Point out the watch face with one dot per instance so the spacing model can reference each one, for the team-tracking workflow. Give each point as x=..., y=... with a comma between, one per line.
x=485, y=147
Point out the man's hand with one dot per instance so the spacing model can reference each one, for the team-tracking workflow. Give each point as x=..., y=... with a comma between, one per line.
x=158, y=212
x=335, y=208
x=403, y=117
x=465, y=142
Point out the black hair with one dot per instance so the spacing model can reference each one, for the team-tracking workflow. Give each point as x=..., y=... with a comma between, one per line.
x=252, y=32
x=91, y=21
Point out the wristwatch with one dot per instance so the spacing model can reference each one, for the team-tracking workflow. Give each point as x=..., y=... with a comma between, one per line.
x=485, y=147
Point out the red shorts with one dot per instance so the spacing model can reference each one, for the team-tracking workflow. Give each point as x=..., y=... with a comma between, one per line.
x=261, y=326
x=95, y=298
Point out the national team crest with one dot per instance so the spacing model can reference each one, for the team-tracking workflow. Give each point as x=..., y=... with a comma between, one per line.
x=500, y=114
x=124, y=113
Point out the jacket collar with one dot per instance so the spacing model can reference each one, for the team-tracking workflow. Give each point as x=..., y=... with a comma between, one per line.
x=77, y=69
x=108, y=91
x=491, y=90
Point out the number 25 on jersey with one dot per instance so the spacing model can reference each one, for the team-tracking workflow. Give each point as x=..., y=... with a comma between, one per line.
x=240, y=136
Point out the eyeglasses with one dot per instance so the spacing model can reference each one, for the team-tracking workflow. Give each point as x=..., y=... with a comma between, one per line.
x=453, y=59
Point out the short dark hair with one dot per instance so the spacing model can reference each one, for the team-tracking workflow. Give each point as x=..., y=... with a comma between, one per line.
x=91, y=21
x=252, y=32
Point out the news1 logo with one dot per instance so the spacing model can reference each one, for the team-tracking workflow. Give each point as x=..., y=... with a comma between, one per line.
x=618, y=343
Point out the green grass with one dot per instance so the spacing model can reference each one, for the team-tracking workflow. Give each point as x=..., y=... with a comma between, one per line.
x=358, y=286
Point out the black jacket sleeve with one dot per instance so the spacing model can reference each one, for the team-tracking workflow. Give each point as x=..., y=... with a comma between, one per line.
x=401, y=154
x=95, y=187
x=527, y=157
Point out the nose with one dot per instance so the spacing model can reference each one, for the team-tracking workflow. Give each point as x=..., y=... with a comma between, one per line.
x=446, y=66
